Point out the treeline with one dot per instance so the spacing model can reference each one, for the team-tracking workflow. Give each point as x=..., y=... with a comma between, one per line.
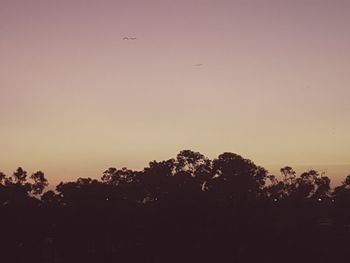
x=186, y=209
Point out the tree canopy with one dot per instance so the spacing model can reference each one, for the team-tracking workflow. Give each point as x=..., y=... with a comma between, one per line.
x=188, y=208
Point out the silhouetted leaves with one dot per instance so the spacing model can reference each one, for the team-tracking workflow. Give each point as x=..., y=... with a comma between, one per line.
x=40, y=182
x=186, y=209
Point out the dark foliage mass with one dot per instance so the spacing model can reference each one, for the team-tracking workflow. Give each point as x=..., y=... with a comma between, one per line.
x=187, y=209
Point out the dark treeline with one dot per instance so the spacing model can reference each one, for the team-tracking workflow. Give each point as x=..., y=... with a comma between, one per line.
x=187, y=209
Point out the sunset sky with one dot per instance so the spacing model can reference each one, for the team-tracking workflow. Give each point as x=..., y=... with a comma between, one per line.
x=75, y=98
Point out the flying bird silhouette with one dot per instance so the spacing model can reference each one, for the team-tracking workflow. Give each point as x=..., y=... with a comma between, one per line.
x=129, y=38
x=198, y=65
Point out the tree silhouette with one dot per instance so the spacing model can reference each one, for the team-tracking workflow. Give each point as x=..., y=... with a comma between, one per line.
x=40, y=183
x=186, y=209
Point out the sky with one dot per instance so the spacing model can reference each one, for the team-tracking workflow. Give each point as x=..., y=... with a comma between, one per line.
x=76, y=98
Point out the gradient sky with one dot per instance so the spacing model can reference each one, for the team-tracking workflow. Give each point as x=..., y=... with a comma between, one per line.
x=75, y=98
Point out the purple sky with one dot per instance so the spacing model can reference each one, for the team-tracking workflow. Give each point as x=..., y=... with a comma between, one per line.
x=75, y=98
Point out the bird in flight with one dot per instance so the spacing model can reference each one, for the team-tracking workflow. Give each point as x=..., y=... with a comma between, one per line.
x=129, y=38
x=198, y=65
